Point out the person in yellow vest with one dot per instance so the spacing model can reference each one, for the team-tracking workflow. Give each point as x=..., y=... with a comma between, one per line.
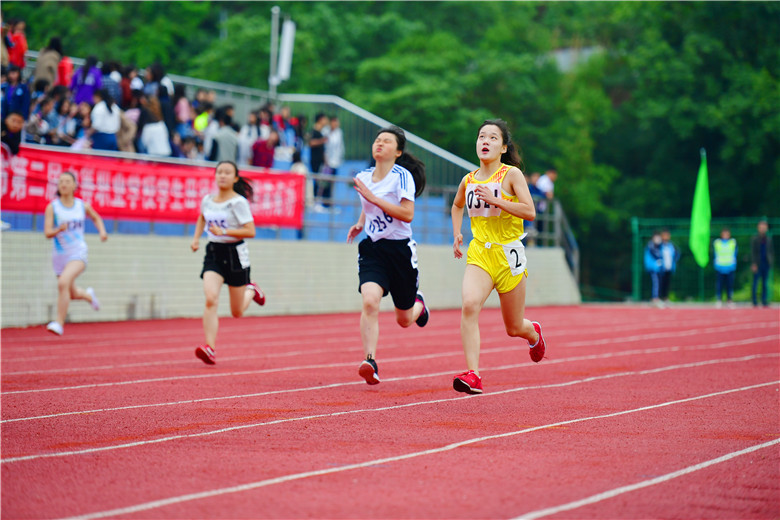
x=725, y=249
x=498, y=200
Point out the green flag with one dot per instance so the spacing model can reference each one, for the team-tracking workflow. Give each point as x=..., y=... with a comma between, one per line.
x=699, y=240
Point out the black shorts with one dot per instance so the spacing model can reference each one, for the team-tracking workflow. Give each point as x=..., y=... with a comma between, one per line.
x=231, y=261
x=393, y=265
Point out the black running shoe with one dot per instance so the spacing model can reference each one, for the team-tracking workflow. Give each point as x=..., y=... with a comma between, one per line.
x=422, y=319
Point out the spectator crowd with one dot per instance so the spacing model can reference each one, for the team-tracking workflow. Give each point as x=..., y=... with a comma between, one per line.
x=117, y=107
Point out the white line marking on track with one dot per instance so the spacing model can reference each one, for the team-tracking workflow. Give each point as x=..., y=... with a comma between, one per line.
x=346, y=364
x=639, y=485
x=371, y=410
x=607, y=355
x=146, y=506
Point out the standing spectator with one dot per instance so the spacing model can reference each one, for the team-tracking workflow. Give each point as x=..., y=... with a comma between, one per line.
x=86, y=81
x=762, y=257
x=299, y=167
x=5, y=44
x=16, y=93
x=334, y=147
x=48, y=61
x=182, y=108
x=546, y=185
x=247, y=137
x=42, y=125
x=264, y=123
x=106, y=121
x=654, y=263
x=670, y=254
x=110, y=78
x=154, y=134
x=224, y=146
x=19, y=40
x=725, y=249
x=129, y=74
x=317, y=160
x=263, y=150
x=64, y=70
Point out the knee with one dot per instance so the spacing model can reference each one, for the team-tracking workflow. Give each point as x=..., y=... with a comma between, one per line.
x=471, y=307
x=404, y=321
x=63, y=285
x=236, y=313
x=212, y=300
x=371, y=305
x=514, y=331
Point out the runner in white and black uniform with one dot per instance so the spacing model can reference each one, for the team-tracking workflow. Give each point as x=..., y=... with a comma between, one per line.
x=387, y=258
x=227, y=218
x=64, y=221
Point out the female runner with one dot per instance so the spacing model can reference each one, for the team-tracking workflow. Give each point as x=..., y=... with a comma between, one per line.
x=64, y=221
x=498, y=201
x=387, y=258
x=228, y=219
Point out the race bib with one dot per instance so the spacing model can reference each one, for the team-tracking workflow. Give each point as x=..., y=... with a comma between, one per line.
x=515, y=257
x=480, y=208
x=243, y=254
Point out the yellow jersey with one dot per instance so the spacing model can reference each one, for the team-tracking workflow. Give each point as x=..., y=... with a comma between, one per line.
x=489, y=223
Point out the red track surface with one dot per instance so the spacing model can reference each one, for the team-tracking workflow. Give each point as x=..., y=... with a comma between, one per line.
x=635, y=413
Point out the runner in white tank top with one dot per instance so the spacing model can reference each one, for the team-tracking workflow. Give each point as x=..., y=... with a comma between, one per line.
x=64, y=222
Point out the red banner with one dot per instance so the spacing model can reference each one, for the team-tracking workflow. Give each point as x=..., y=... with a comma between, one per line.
x=135, y=189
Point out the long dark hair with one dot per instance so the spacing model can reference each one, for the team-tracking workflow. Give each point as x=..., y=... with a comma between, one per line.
x=88, y=65
x=512, y=154
x=241, y=186
x=105, y=95
x=415, y=166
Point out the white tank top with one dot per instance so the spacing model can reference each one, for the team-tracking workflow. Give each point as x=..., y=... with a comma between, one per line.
x=71, y=239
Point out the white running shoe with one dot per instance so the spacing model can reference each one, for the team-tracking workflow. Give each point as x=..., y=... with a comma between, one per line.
x=55, y=328
x=95, y=302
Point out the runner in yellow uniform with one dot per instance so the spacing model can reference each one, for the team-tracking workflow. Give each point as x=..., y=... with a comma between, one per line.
x=498, y=201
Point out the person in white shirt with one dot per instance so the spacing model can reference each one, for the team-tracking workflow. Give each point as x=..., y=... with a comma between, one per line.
x=64, y=221
x=387, y=257
x=227, y=217
x=106, y=120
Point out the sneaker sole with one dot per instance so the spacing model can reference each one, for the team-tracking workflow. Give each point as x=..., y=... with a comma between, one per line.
x=204, y=357
x=366, y=371
x=462, y=386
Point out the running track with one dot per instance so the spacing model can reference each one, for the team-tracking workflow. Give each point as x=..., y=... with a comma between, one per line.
x=635, y=413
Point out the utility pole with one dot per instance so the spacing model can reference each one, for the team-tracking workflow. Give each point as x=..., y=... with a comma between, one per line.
x=273, y=79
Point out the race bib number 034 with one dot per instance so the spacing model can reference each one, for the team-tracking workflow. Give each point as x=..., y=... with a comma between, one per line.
x=480, y=208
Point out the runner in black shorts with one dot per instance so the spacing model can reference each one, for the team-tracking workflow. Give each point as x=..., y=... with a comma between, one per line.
x=228, y=219
x=387, y=258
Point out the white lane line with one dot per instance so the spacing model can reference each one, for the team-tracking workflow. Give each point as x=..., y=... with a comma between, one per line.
x=155, y=504
x=608, y=355
x=639, y=485
x=370, y=410
x=345, y=364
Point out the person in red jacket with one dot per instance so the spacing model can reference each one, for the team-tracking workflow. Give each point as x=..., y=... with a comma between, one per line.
x=19, y=40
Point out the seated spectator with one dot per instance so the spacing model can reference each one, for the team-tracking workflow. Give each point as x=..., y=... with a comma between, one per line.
x=86, y=81
x=264, y=122
x=41, y=127
x=154, y=134
x=16, y=93
x=106, y=121
x=39, y=90
x=263, y=150
x=66, y=110
x=189, y=149
x=125, y=138
x=48, y=62
x=12, y=126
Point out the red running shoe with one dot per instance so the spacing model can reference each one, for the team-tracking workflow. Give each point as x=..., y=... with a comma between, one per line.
x=537, y=352
x=206, y=354
x=369, y=371
x=468, y=382
x=259, y=296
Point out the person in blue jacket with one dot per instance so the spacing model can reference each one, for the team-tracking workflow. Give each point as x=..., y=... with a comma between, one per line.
x=654, y=266
x=670, y=254
x=725, y=255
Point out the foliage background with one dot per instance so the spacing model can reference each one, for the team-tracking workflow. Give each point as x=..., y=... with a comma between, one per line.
x=623, y=128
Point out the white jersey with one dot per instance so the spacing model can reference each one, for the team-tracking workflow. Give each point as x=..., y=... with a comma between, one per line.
x=397, y=185
x=232, y=213
x=69, y=244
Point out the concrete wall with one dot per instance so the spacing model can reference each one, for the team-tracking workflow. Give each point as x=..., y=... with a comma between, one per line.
x=148, y=276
